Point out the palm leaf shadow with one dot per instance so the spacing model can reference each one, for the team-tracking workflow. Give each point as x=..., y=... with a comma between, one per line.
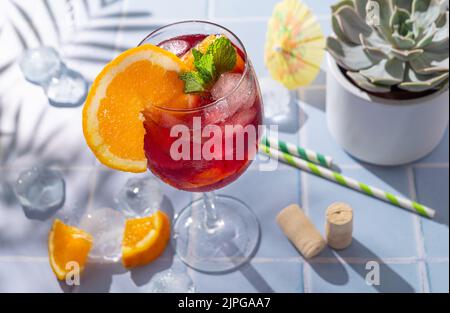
x=26, y=29
x=52, y=17
x=109, y=11
x=12, y=144
x=6, y=66
x=27, y=18
x=27, y=148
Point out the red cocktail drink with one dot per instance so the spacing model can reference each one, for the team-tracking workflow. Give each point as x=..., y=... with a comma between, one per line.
x=213, y=167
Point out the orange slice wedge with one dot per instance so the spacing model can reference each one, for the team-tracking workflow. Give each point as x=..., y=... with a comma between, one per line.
x=67, y=244
x=188, y=58
x=145, y=239
x=141, y=77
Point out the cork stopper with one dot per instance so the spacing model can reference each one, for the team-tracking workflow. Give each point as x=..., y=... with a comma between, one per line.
x=339, y=225
x=300, y=231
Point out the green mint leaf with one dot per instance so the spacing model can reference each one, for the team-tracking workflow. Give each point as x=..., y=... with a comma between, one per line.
x=197, y=54
x=192, y=82
x=224, y=55
x=206, y=68
x=220, y=57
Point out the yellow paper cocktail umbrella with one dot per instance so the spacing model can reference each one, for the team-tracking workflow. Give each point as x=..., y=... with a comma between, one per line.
x=295, y=44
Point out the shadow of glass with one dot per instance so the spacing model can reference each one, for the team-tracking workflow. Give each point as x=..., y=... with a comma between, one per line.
x=167, y=207
x=390, y=281
x=316, y=97
x=255, y=279
x=321, y=79
x=97, y=277
x=246, y=269
x=141, y=276
x=289, y=121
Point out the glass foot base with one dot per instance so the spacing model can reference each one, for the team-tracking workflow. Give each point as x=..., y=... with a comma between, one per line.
x=218, y=245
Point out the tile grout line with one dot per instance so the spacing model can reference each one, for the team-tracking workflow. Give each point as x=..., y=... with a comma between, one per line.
x=442, y=165
x=304, y=189
x=357, y=166
x=23, y=259
x=263, y=260
x=313, y=87
x=320, y=17
x=59, y=168
x=221, y=19
x=420, y=244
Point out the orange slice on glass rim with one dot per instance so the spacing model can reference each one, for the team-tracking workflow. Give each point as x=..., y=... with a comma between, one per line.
x=145, y=239
x=112, y=116
x=67, y=244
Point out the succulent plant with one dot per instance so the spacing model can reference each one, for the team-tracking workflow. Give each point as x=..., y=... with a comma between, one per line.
x=386, y=44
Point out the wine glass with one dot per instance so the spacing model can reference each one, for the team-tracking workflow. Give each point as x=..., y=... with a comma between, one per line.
x=214, y=233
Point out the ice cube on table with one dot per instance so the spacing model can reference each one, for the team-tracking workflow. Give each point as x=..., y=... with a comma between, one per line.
x=276, y=99
x=40, y=190
x=235, y=94
x=106, y=225
x=171, y=281
x=140, y=196
x=41, y=64
x=176, y=46
x=63, y=87
x=67, y=90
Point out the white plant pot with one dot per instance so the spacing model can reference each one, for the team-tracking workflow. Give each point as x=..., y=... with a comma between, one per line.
x=382, y=131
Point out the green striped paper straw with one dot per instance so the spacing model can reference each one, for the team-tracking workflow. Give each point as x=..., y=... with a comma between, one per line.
x=302, y=153
x=348, y=182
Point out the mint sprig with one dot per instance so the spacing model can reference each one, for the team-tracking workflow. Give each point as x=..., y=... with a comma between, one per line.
x=224, y=54
x=193, y=82
x=205, y=66
x=220, y=57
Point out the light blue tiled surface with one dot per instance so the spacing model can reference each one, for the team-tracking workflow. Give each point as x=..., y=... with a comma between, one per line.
x=263, y=197
x=25, y=234
x=350, y=277
x=432, y=188
x=440, y=154
x=28, y=276
x=413, y=252
x=193, y=9
x=436, y=272
x=252, y=8
x=282, y=276
x=387, y=232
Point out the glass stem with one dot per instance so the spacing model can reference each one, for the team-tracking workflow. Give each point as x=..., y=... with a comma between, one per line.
x=211, y=216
